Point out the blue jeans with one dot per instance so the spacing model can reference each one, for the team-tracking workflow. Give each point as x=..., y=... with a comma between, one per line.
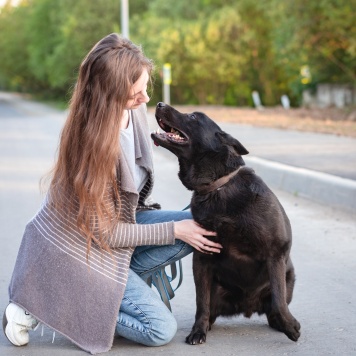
x=143, y=317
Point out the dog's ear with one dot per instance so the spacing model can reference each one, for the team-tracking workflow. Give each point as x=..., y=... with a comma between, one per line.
x=234, y=149
x=228, y=140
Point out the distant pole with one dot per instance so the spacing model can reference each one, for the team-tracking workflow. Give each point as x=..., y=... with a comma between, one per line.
x=257, y=100
x=167, y=80
x=285, y=101
x=125, y=18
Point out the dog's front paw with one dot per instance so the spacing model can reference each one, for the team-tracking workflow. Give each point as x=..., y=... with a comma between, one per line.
x=196, y=337
x=293, y=329
x=290, y=326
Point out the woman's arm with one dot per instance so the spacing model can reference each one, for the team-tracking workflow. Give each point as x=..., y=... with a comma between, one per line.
x=131, y=235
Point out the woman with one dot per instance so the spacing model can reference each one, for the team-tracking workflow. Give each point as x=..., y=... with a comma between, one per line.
x=83, y=257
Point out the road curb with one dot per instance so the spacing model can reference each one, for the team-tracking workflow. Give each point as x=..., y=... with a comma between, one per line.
x=317, y=186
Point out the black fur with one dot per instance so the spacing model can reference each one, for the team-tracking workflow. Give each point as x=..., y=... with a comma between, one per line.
x=254, y=272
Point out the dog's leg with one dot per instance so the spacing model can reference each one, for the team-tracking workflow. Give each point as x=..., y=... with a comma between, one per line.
x=203, y=282
x=290, y=280
x=280, y=317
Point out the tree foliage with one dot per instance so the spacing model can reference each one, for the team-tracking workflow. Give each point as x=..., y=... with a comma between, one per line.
x=15, y=73
x=220, y=50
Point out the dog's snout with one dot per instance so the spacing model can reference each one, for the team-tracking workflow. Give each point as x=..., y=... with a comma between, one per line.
x=161, y=105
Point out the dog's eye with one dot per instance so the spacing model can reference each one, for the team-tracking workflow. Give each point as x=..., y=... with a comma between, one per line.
x=193, y=117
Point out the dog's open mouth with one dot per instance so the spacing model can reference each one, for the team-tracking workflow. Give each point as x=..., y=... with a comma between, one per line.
x=170, y=133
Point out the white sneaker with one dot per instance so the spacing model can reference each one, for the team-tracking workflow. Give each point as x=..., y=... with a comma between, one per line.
x=16, y=323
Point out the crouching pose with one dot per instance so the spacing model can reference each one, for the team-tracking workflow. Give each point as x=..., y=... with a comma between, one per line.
x=84, y=256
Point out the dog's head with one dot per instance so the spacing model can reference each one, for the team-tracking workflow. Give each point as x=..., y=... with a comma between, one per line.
x=197, y=141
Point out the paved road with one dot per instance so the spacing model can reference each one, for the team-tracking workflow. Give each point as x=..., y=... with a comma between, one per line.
x=320, y=152
x=323, y=252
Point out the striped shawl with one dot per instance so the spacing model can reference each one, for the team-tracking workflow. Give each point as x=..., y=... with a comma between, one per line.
x=52, y=278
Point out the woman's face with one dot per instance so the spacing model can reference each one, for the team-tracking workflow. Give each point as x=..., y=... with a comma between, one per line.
x=138, y=94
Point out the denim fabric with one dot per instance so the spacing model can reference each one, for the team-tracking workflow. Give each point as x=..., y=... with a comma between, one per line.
x=143, y=317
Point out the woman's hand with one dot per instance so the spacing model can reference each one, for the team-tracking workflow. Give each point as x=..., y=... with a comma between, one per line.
x=193, y=234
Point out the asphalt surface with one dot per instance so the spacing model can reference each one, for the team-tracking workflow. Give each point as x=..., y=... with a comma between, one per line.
x=317, y=166
x=324, y=235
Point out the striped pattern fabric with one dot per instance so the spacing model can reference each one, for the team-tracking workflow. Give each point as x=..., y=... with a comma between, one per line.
x=78, y=296
x=62, y=232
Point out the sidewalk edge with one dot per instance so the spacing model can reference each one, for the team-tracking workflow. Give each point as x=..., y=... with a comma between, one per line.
x=321, y=187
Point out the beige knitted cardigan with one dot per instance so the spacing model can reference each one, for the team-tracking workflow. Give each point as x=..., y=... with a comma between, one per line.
x=52, y=279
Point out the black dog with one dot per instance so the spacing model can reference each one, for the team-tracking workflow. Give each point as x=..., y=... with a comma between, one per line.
x=254, y=272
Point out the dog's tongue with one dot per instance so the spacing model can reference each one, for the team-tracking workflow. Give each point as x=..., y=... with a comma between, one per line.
x=156, y=144
x=155, y=132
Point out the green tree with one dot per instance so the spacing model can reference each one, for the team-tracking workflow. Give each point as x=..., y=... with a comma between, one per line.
x=264, y=74
x=66, y=30
x=15, y=73
x=44, y=41
x=220, y=50
x=319, y=34
x=218, y=54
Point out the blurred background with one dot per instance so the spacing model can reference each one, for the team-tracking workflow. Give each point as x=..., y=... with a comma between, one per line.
x=220, y=51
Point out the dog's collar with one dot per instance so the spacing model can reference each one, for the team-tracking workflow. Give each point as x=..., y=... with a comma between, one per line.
x=217, y=184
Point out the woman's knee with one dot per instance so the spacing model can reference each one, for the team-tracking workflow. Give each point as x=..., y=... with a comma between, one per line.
x=163, y=333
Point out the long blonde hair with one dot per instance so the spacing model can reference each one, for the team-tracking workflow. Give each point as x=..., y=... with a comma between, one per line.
x=89, y=143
